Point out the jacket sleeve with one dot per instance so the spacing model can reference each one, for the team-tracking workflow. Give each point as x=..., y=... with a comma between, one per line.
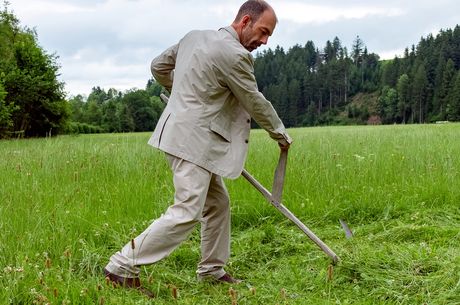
x=242, y=83
x=163, y=65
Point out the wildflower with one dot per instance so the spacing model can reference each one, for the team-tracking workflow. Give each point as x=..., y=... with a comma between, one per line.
x=174, y=292
x=67, y=253
x=232, y=293
x=48, y=263
x=83, y=292
x=8, y=269
x=330, y=273
x=283, y=293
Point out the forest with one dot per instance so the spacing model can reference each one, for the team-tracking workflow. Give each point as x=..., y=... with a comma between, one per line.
x=308, y=86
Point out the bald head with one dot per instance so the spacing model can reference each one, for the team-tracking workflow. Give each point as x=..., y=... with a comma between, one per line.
x=254, y=23
x=253, y=8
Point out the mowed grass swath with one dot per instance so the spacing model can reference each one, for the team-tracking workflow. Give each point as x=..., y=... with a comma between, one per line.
x=68, y=203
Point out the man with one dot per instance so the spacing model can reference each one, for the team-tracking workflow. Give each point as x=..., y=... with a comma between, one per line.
x=204, y=131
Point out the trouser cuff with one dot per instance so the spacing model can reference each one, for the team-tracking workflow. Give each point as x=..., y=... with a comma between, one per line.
x=211, y=275
x=120, y=271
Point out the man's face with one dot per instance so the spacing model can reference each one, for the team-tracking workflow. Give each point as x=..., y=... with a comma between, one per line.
x=255, y=34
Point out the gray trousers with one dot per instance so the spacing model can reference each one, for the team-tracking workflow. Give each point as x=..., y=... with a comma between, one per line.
x=200, y=196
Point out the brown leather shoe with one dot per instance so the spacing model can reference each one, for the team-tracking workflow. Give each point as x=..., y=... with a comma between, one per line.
x=126, y=282
x=227, y=278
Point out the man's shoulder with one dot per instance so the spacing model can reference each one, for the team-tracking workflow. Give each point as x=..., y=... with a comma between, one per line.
x=218, y=37
x=219, y=44
x=201, y=33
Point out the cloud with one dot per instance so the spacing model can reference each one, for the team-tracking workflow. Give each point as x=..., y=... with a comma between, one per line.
x=319, y=14
x=110, y=43
x=54, y=7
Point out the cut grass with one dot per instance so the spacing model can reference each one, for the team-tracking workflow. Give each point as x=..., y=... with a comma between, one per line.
x=69, y=202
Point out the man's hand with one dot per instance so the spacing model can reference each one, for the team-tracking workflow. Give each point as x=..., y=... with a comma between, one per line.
x=284, y=145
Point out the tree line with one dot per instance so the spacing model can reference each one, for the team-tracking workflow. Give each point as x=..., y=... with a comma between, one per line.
x=311, y=86
x=115, y=111
x=308, y=86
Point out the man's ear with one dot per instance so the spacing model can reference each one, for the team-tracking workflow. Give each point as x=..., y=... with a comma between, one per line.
x=246, y=20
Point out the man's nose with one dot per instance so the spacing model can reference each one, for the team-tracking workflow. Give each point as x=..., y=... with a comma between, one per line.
x=264, y=39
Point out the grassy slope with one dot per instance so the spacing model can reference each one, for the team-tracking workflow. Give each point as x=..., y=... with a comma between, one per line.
x=68, y=203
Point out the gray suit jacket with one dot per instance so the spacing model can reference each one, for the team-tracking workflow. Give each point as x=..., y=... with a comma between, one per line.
x=214, y=94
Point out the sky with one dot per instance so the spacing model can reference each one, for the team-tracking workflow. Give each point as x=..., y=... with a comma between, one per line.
x=110, y=43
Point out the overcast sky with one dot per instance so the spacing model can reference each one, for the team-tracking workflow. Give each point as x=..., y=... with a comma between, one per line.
x=110, y=43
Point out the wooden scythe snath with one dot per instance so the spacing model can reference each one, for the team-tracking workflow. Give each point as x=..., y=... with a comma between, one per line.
x=275, y=200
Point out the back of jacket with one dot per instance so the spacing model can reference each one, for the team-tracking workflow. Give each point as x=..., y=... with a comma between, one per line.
x=213, y=96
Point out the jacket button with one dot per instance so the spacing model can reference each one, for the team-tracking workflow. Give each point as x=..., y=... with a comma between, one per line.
x=246, y=141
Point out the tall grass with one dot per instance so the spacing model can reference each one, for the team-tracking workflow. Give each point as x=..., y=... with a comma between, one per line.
x=68, y=203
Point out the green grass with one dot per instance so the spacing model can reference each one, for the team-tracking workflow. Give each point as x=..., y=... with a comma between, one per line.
x=68, y=203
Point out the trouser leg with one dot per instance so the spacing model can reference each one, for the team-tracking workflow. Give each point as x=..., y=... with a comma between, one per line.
x=215, y=230
x=191, y=184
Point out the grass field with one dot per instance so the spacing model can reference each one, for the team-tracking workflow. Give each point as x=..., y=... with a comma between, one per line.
x=68, y=203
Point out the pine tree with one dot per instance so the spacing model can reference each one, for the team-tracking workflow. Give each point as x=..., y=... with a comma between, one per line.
x=357, y=50
x=453, y=112
x=293, y=99
x=437, y=98
x=419, y=91
x=403, y=89
x=455, y=56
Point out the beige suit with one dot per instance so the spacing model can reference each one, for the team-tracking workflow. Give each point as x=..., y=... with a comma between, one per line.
x=207, y=119
x=205, y=131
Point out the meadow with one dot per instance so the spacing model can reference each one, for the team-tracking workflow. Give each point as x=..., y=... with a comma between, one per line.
x=68, y=202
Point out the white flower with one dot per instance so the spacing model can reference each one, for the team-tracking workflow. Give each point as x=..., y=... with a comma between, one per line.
x=8, y=269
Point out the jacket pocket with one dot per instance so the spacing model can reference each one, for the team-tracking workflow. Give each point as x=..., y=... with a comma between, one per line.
x=221, y=125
